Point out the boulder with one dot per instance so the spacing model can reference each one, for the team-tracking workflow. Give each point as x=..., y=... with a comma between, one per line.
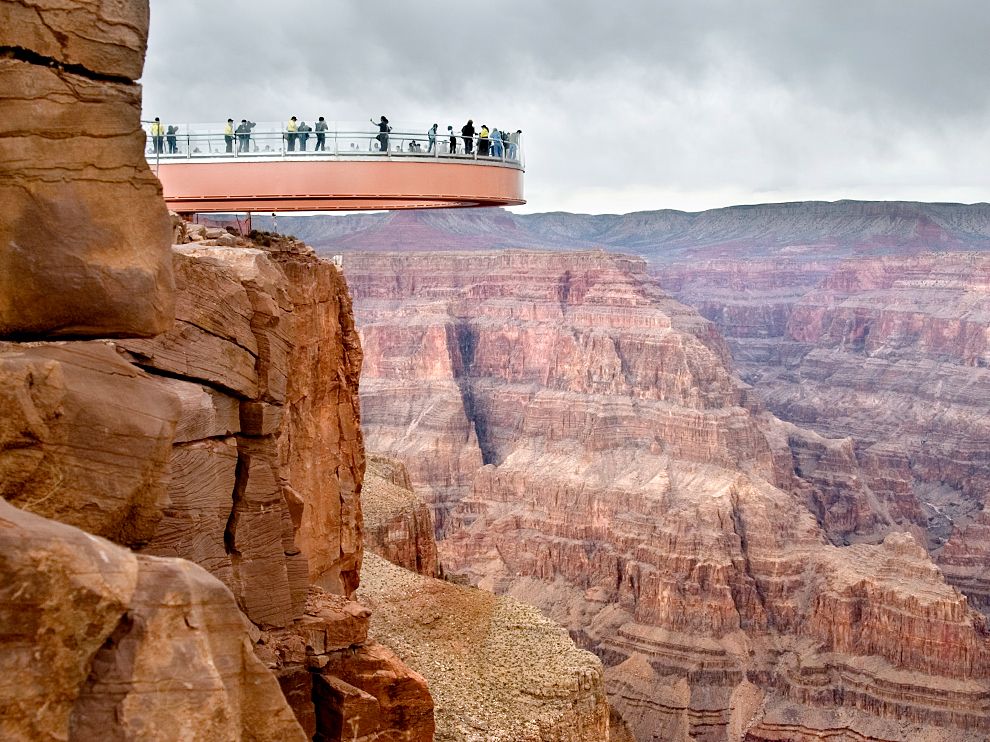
x=84, y=242
x=101, y=643
x=85, y=438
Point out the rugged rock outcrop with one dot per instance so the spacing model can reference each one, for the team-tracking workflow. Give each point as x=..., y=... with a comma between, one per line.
x=85, y=438
x=267, y=337
x=892, y=353
x=102, y=643
x=498, y=670
x=232, y=441
x=397, y=523
x=634, y=490
x=84, y=242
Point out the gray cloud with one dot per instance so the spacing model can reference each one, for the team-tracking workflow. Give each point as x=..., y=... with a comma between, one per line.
x=626, y=104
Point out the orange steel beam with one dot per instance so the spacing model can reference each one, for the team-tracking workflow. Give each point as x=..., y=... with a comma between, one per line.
x=277, y=184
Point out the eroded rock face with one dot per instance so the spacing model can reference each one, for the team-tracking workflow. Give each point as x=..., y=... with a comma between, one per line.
x=890, y=352
x=635, y=491
x=89, y=626
x=497, y=669
x=84, y=242
x=397, y=523
x=85, y=438
x=341, y=685
x=268, y=454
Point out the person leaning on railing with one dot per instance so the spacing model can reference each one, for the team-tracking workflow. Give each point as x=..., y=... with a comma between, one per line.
x=244, y=135
x=496, y=142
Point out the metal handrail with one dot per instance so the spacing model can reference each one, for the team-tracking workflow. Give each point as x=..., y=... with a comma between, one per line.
x=341, y=140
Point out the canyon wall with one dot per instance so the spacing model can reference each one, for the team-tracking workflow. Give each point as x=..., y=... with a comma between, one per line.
x=803, y=229
x=890, y=352
x=637, y=492
x=497, y=669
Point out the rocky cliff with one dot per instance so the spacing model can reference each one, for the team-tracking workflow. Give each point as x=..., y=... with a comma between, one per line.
x=232, y=440
x=181, y=524
x=497, y=669
x=891, y=352
x=632, y=488
x=398, y=525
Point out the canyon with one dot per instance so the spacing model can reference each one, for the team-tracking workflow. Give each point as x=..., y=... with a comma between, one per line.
x=865, y=321
x=181, y=455
x=585, y=447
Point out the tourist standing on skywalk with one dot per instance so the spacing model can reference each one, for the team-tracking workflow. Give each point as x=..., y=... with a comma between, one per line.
x=432, y=136
x=157, y=137
x=383, y=130
x=228, y=135
x=290, y=133
x=467, y=132
x=304, y=130
x=496, y=139
x=321, y=137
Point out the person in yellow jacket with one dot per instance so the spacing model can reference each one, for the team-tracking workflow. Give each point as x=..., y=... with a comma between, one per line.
x=291, y=134
x=158, y=135
x=483, y=140
x=228, y=135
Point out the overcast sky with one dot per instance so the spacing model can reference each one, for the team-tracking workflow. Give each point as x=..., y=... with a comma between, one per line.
x=625, y=105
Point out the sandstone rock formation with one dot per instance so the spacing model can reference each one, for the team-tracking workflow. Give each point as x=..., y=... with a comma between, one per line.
x=498, y=670
x=102, y=643
x=84, y=242
x=634, y=490
x=265, y=343
x=890, y=352
x=85, y=438
x=397, y=523
x=232, y=441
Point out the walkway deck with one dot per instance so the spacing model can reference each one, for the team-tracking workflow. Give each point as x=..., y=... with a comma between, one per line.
x=206, y=173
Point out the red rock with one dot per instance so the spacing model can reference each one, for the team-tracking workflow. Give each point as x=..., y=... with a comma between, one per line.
x=85, y=233
x=85, y=438
x=89, y=626
x=374, y=697
x=637, y=492
x=397, y=523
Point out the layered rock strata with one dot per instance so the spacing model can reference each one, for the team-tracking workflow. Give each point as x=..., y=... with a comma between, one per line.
x=397, y=524
x=633, y=489
x=891, y=352
x=102, y=643
x=84, y=242
x=498, y=670
x=268, y=338
x=231, y=441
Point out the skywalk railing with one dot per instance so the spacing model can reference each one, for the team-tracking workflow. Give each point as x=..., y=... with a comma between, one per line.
x=340, y=140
